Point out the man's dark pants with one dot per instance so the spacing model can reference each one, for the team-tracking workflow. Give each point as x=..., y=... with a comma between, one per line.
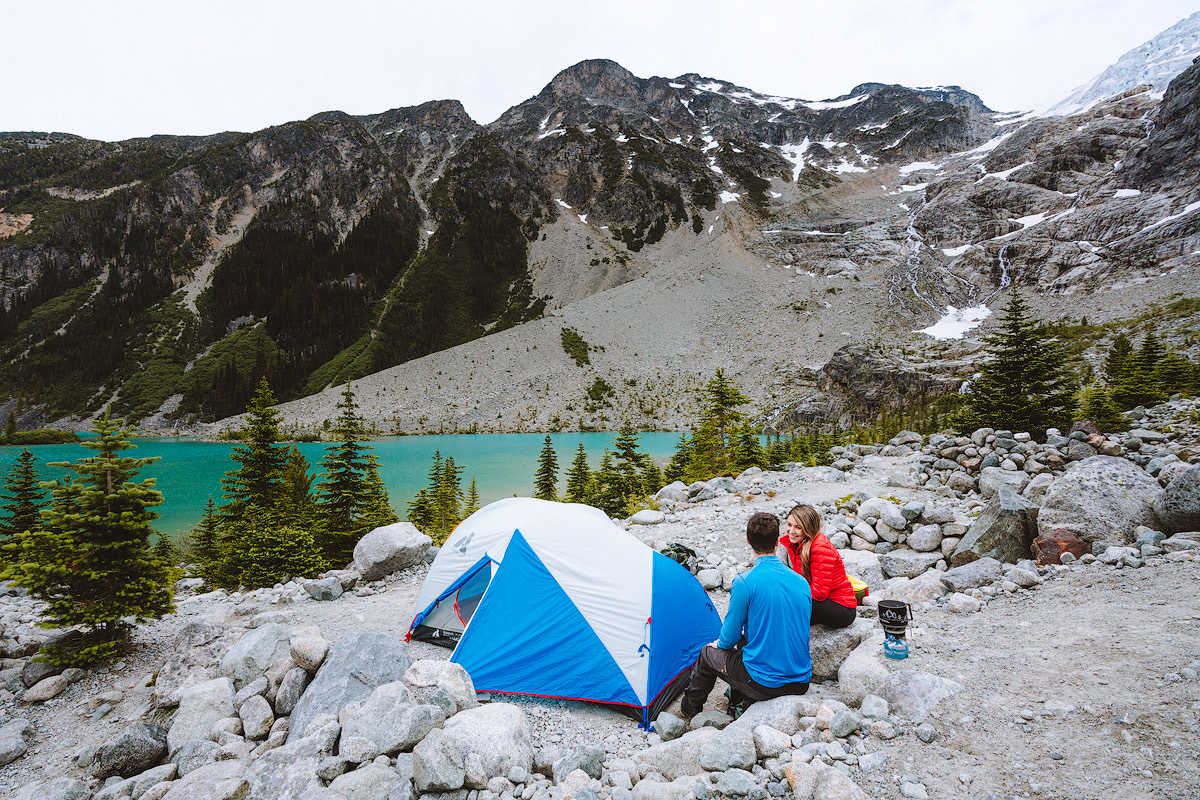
x=727, y=664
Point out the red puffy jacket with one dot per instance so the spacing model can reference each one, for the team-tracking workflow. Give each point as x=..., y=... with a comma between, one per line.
x=828, y=577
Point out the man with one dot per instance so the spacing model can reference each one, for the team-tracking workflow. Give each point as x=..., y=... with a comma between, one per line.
x=763, y=649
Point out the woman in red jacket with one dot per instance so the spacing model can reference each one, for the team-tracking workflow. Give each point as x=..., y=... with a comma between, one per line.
x=810, y=553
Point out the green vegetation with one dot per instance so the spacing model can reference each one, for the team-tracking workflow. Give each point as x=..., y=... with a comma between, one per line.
x=440, y=506
x=25, y=501
x=90, y=560
x=40, y=436
x=598, y=395
x=545, y=481
x=723, y=442
x=574, y=346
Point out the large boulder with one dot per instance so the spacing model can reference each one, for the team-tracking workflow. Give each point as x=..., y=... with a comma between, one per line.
x=290, y=770
x=1004, y=530
x=224, y=780
x=972, y=574
x=677, y=758
x=924, y=588
x=427, y=675
x=132, y=750
x=200, y=707
x=390, y=548
x=1101, y=499
x=864, y=565
x=391, y=719
x=15, y=737
x=913, y=694
x=493, y=739
x=1178, y=507
x=194, y=659
x=732, y=748
x=254, y=653
x=781, y=713
x=830, y=646
x=1049, y=546
x=993, y=479
x=907, y=563
x=438, y=764
x=372, y=782
x=862, y=671
x=355, y=666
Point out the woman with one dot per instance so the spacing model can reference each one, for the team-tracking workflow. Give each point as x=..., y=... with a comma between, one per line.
x=810, y=553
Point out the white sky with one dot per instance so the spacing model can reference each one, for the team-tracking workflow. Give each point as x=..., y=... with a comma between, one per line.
x=115, y=69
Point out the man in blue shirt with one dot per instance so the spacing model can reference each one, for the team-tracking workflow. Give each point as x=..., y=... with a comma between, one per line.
x=763, y=649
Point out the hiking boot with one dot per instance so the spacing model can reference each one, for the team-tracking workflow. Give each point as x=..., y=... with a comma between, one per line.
x=686, y=712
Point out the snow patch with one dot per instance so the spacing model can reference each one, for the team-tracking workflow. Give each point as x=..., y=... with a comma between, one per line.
x=956, y=322
x=1188, y=210
x=823, y=105
x=730, y=197
x=917, y=166
x=555, y=132
x=955, y=252
x=1126, y=193
x=561, y=202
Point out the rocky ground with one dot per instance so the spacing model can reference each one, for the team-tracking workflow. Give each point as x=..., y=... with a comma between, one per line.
x=1083, y=684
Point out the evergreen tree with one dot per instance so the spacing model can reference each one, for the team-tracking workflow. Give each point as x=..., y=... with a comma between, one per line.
x=720, y=418
x=1139, y=384
x=471, y=504
x=10, y=425
x=579, y=478
x=748, y=449
x=203, y=540
x=258, y=480
x=545, y=482
x=676, y=469
x=90, y=560
x=265, y=552
x=164, y=551
x=1175, y=373
x=353, y=499
x=1025, y=386
x=1118, y=360
x=25, y=500
x=1096, y=405
x=437, y=508
x=607, y=487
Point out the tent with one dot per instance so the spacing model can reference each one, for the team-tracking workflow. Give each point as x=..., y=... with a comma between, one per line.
x=554, y=600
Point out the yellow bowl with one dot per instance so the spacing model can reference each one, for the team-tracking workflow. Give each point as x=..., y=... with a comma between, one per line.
x=859, y=586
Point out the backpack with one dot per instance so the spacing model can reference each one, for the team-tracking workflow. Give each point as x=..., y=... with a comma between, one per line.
x=684, y=555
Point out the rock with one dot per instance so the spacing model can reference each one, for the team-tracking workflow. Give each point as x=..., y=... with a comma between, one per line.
x=675, y=492
x=257, y=717
x=1004, y=530
x=438, y=764
x=710, y=718
x=493, y=739
x=588, y=757
x=907, y=563
x=972, y=574
x=924, y=588
x=830, y=647
x=993, y=479
x=1052, y=543
x=647, y=516
x=259, y=685
x=925, y=538
x=866, y=532
x=864, y=566
x=254, y=653
x=769, y=742
x=960, y=481
x=45, y=689
x=372, y=782
x=780, y=713
x=308, y=652
x=732, y=748
x=388, y=549
x=1181, y=542
x=913, y=694
x=960, y=603
x=874, y=707
x=1178, y=507
x=428, y=675
x=140, y=784
x=710, y=579
x=291, y=688
x=844, y=723
x=323, y=588
x=685, y=788
x=223, y=780
x=134, y=749
x=195, y=654
x=391, y=720
x=195, y=754
x=862, y=671
x=58, y=789
x=291, y=769
x=669, y=726
x=678, y=758
x=1100, y=498
x=355, y=666
x=15, y=737
x=200, y=707
x=1024, y=578
x=35, y=672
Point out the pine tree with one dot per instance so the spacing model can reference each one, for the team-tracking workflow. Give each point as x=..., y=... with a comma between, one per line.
x=471, y=504
x=607, y=487
x=1175, y=373
x=164, y=551
x=264, y=552
x=1096, y=405
x=258, y=481
x=579, y=478
x=203, y=539
x=545, y=482
x=10, y=425
x=448, y=499
x=676, y=469
x=1025, y=386
x=25, y=500
x=1118, y=360
x=350, y=470
x=748, y=449
x=90, y=561
x=720, y=417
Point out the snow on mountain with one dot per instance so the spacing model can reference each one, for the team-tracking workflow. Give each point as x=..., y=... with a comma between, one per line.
x=1155, y=62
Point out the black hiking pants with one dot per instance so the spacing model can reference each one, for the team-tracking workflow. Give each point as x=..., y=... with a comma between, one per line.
x=727, y=664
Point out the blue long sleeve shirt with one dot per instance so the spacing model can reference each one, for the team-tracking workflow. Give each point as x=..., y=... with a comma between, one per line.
x=771, y=605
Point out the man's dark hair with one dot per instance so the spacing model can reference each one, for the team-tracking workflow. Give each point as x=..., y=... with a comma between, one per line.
x=762, y=532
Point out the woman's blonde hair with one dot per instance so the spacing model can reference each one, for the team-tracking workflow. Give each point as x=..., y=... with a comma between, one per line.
x=809, y=520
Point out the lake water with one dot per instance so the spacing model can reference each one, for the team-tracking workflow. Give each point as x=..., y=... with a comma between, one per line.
x=502, y=464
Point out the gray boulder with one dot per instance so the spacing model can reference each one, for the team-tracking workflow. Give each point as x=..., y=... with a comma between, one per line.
x=1101, y=498
x=15, y=737
x=830, y=647
x=45, y=689
x=58, y=789
x=291, y=769
x=993, y=479
x=133, y=749
x=355, y=666
x=391, y=720
x=427, y=675
x=200, y=707
x=141, y=783
x=738, y=783
x=223, y=780
x=971, y=574
x=863, y=565
x=290, y=690
x=1178, y=507
x=37, y=671
x=372, y=782
x=862, y=671
x=676, y=492
x=913, y=694
x=493, y=739
x=308, y=652
x=323, y=588
x=257, y=717
x=907, y=563
x=781, y=713
x=678, y=758
x=438, y=764
x=588, y=757
x=388, y=549
x=925, y=538
x=732, y=748
x=924, y=588
x=254, y=653
x=1004, y=530
x=196, y=754
x=194, y=658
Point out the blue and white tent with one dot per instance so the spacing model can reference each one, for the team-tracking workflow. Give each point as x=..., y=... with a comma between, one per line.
x=554, y=600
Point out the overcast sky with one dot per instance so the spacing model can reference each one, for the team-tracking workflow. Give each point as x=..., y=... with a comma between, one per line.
x=124, y=68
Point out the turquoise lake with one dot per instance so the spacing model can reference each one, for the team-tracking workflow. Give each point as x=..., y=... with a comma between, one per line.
x=502, y=464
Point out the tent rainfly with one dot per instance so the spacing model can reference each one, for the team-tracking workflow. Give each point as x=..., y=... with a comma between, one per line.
x=554, y=600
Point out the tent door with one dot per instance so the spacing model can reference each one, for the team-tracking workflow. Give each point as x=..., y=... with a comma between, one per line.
x=446, y=618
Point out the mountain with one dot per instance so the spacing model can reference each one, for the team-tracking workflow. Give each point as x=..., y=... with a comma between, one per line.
x=671, y=226
x=1154, y=63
